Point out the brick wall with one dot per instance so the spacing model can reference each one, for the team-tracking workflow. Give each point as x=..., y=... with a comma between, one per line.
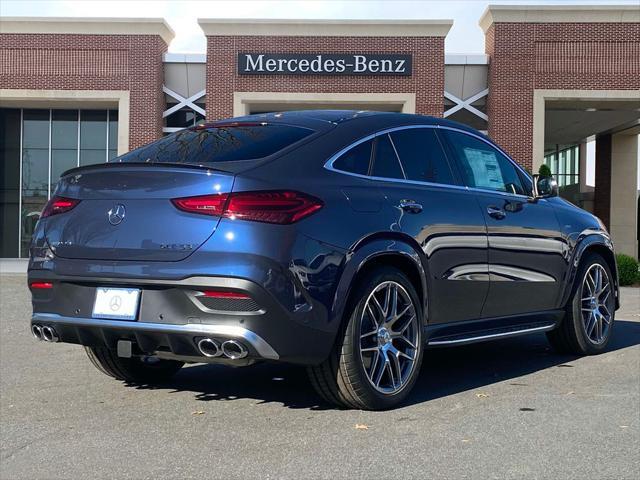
x=92, y=62
x=568, y=56
x=427, y=80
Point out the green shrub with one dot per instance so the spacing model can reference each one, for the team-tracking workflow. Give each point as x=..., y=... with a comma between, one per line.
x=628, y=269
x=544, y=170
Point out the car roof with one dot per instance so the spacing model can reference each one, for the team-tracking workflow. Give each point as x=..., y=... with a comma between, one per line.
x=324, y=119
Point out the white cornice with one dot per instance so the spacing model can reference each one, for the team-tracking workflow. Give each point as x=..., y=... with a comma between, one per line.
x=325, y=28
x=88, y=26
x=558, y=14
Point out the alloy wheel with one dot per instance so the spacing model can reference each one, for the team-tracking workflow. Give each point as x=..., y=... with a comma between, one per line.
x=389, y=337
x=596, y=304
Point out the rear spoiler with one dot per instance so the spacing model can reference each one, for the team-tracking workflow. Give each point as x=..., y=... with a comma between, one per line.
x=116, y=164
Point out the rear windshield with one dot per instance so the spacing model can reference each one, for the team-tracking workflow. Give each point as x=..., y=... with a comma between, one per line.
x=218, y=144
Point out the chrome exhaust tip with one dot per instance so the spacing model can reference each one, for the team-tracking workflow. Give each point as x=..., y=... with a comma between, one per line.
x=209, y=348
x=36, y=330
x=49, y=334
x=234, y=350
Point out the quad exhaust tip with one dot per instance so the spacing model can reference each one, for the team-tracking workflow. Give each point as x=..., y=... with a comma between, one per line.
x=209, y=348
x=230, y=349
x=48, y=334
x=36, y=330
x=234, y=350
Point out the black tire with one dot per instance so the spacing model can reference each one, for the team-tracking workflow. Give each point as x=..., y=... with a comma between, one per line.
x=342, y=379
x=571, y=335
x=132, y=370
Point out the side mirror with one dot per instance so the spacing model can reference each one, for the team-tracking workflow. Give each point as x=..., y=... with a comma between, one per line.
x=544, y=187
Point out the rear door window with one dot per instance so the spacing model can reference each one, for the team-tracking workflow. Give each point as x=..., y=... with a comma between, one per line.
x=356, y=159
x=422, y=156
x=210, y=145
x=483, y=166
x=386, y=163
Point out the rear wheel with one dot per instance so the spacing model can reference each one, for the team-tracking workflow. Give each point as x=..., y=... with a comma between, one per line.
x=140, y=370
x=376, y=359
x=588, y=322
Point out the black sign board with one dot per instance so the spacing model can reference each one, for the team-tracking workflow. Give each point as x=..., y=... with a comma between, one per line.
x=323, y=64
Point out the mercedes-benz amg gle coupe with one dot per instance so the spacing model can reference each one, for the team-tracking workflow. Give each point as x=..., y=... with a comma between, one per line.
x=345, y=241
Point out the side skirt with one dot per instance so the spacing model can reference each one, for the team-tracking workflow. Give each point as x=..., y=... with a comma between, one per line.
x=461, y=333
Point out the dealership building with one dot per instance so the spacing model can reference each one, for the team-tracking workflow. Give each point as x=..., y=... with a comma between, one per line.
x=553, y=81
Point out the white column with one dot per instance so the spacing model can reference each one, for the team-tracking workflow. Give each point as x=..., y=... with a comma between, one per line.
x=624, y=193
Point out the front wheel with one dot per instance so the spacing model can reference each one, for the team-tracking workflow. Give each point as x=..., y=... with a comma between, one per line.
x=138, y=370
x=588, y=322
x=377, y=356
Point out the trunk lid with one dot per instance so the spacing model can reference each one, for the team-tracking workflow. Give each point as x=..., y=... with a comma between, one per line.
x=125, y=212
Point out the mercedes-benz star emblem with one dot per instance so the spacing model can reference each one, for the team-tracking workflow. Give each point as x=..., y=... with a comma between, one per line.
x=116, y=214
x=115, y=303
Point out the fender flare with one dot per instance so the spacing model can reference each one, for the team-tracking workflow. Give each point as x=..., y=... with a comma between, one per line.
x=587, y=239
x=368, y=249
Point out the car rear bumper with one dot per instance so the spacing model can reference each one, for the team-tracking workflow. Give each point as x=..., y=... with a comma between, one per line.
x=152, y=337
x=171, y=320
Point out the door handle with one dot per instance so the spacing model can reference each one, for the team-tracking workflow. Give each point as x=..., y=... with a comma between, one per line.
x=496, y=212
x=410, y=206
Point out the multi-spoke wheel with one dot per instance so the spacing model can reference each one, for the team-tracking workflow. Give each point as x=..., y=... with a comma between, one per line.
x=597, y=300
x=388, y=336
x=586, y=328
x=378, y=354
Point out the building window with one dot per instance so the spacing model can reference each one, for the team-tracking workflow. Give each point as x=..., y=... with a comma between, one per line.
x=471, y=111
x=182, y=112
x=184, y=118
x=36, y=147
x=565, y=165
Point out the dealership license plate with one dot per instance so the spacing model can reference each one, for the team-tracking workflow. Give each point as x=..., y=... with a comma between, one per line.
x=118, y=303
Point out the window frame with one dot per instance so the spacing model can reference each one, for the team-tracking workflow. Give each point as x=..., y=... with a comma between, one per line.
x=459, y=185
x=520, y=172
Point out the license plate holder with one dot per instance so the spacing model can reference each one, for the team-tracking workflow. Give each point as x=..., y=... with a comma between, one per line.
x=116, y=303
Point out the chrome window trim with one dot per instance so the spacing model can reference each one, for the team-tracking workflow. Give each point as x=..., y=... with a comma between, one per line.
x=329, y=163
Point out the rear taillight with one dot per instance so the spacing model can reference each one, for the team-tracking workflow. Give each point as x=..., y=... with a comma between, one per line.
x=281, y=207
x=41, y=285
x=206, y=204
x=58, y=205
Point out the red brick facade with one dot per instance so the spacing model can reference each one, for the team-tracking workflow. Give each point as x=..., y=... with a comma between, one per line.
x=92, y=62
x=568, y=56
x=427, y=80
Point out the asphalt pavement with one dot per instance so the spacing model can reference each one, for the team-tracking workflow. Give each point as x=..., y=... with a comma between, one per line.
x=507, y=409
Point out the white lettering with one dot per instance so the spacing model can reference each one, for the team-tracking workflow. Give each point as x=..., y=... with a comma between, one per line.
x=329, y=65
x=270, y=65
x=374, y=66
x=316, y=65
x=361, y=63
x=254, y=65
x=399, y=66
x=340, y=65
x=386, y=66
x=303, y=65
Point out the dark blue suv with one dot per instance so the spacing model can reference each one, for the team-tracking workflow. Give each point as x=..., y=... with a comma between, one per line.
x=344, y=241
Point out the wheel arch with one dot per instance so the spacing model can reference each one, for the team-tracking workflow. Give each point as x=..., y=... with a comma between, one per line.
x=593, y=242
x=396, y=251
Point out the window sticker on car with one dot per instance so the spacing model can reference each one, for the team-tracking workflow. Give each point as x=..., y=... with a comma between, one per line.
x=486, y=170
